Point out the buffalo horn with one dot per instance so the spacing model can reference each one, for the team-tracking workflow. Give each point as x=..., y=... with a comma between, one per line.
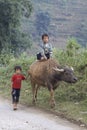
x=57, y=69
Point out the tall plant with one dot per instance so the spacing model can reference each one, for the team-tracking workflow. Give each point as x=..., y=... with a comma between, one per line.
x=11, y=13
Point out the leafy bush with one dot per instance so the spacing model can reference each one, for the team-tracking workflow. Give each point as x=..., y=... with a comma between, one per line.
x=12, y=37
x=65, y=92
x=24, y=61
x=77, y=58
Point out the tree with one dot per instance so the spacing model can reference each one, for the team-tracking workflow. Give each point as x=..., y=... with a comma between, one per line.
x=42, y=22
x=11, y=13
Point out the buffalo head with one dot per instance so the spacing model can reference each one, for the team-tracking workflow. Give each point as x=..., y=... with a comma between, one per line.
x=66, y=74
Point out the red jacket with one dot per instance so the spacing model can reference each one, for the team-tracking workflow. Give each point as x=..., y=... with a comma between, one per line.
x=17, y=80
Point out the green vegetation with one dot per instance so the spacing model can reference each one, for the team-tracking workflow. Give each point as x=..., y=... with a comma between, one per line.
x=71, y=99
x=12, y=39
x=15, y=30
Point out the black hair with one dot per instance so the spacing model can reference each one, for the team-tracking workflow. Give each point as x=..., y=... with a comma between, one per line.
x=17, y=68
x=44, y=35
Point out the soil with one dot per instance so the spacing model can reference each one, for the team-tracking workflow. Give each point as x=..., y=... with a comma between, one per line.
x=31, y=118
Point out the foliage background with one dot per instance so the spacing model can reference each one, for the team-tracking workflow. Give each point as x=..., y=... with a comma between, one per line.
x=16, y=27
x=12, y=39
x=71, y=99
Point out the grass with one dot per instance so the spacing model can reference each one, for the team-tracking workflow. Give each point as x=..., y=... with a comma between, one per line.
x=74, y=111
x=71, y=99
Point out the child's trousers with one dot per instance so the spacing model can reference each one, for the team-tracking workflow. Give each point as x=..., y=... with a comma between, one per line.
x=15, y=95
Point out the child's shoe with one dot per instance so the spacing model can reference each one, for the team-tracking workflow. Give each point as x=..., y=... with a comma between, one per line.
x=14, y=107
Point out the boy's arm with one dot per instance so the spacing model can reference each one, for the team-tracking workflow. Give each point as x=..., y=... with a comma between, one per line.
x=51, y=50
x=41, y=50
x=23, y=77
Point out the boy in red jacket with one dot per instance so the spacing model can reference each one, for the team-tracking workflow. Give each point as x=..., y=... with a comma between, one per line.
x=16, y=85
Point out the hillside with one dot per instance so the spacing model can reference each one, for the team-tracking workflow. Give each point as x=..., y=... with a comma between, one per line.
x=67, y=19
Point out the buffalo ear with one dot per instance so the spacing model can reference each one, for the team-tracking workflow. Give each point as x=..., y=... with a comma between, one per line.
x=58, y=70
x=70, y=67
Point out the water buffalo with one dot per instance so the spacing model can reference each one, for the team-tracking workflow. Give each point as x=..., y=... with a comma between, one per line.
x=48, y=74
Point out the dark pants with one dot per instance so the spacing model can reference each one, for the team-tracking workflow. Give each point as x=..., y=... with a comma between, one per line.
x=15, y=95
x=39, y=56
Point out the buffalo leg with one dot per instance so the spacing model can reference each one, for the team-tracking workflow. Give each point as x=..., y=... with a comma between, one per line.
x=33, y=91
x=52, y=100
x=37, y=87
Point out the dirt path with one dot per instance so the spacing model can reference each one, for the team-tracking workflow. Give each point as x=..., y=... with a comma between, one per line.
x=31, y=119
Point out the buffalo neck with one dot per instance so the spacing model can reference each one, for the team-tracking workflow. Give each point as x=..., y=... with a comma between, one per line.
x=58, y=77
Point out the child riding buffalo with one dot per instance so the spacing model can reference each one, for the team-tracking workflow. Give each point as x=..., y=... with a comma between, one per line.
x=45, y=48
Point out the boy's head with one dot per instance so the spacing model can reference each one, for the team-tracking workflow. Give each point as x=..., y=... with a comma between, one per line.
x=45, y=38
x=18, y=69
